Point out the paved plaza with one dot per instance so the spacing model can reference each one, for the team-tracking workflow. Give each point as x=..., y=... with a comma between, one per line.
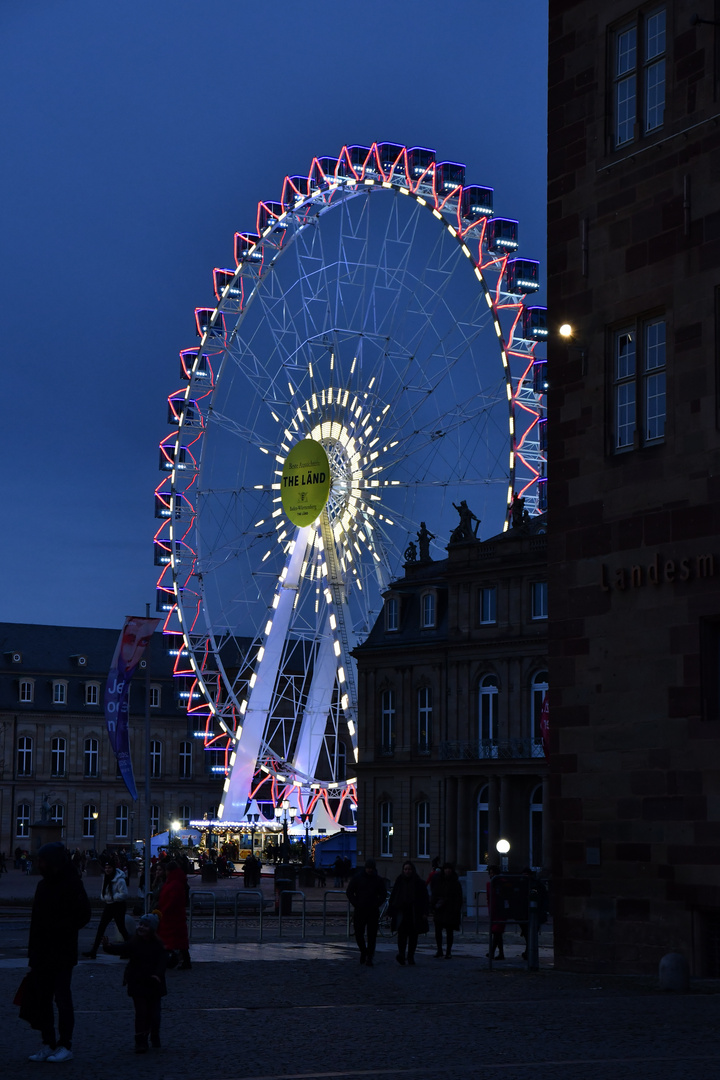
x=307, y=1010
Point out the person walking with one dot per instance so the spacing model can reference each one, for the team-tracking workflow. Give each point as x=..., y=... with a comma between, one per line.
x=60, y=909
x=446, y=906
x=114, y=894
x=408, y=907
x=366, y=892
x=144, y=977
x=496, y=912
x=171, y=904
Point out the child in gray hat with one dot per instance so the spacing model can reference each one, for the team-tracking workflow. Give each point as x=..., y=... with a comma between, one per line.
x=144, y=977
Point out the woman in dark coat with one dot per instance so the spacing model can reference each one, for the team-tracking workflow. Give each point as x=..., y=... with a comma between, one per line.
x=446, y=906
x=171, y=904
x=408, y=907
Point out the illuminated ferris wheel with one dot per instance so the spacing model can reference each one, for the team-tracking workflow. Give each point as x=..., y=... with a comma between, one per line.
x=368, y=364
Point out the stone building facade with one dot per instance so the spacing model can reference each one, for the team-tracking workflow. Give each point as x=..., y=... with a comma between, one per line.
x=54, y=747
x=634, y=482
x=451, y=682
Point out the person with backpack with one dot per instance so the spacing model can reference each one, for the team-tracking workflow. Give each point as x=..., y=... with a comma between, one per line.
x=446, y=901
x=114, y=894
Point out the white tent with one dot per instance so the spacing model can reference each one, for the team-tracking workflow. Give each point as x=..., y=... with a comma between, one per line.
x=162, y=839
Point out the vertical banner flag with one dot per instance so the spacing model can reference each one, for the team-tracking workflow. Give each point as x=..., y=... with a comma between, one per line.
x=131, y=645
x=545, y=727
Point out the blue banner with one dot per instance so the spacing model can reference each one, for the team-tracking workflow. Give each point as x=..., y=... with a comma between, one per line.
x=128, y=652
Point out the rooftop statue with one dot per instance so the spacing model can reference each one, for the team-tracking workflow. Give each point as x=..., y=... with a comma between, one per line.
x=465, y=531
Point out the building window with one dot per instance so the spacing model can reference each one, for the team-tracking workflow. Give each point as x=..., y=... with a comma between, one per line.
x=57, y=814
x=386, y=829
x=90, y=757
x=483, y=827
x=428, y=610
x=185, y=761
x=24, y=756
x=27, y=691
x=89, y=818
x=22, y=819
x=387, y=721
x=155, y=759
x=392, y=613
x=536, y=828
x=488, y=711
x=538, y=600
x=639, y=77
x=639, y=387
x=92, y=693
x=424, y=719
x=423, y=830
x=59, y=693
x=58, y=757
x=154, y=697
x=185, y=815
x=488, y=606
x=537, y=697
x=121, y=822
x=213, y=811
x=154, y=819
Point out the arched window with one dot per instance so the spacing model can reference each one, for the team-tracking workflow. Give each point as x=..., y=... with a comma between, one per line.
x=121, y=821
x=428, y=610
x=483, y=827
x=22, y=819
x=386, y=829
x=422, y=822
x=90, y=757
x=58, y=756
x=59, y=692
x=185, y=815
x=156, y=759
x=424, y=719
x=487, y=720
x=185, y=761
x=392, y=613
x=387, y=722
x=536, y=828
x=538, y=691
x=57, y=814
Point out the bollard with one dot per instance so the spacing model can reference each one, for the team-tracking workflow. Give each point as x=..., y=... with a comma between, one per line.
x=674, y=973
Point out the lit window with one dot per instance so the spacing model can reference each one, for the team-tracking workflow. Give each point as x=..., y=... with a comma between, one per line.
x=639, y=77
x=488, y=711
x=428, y=610
x=639, y=404
x=57, y=757
x=185, y=761
x=423, y=830
x=424, y=718
x=22, y=819
x=392, y=613
x=386, y=829
x=27, y=691
x=24, y=756
x=59, y=693
x=488, y=606
x=387, y=721
x=90, y=757
x=92, y=693
x=121, y=822
x=539, y=600
x=154, y=697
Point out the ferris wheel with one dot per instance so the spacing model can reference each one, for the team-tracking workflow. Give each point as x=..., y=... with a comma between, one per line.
x=368, y=364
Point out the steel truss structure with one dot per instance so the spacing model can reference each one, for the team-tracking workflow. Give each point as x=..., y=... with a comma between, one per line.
x=379, y=309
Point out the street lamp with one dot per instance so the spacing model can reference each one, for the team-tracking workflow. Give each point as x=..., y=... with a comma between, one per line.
x=285, y=815
x=306, y=818
x=503, y=847
x=253, y=819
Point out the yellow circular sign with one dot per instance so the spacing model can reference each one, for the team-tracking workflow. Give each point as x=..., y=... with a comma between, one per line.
x=305, y=483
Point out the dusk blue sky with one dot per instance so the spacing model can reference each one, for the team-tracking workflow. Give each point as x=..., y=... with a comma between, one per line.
x=137, y=138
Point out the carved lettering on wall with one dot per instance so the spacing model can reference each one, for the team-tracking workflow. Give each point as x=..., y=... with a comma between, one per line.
x=657, y=571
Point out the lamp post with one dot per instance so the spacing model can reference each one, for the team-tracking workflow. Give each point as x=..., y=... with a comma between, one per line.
x=285, y=814
x=253, y=819
x=306, y=818
x=503, y=847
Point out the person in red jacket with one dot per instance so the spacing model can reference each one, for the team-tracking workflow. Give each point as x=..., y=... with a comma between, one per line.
x=172, y=902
